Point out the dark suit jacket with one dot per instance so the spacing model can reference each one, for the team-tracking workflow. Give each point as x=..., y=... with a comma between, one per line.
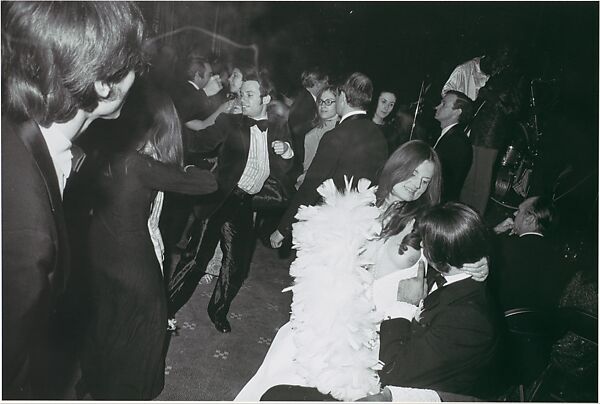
x=527, y=272
x=452, y=348
x=456, y=155
x=190, y=103
x=355, y=148
x=35, y=250
x=300, y=120
x=230, y=133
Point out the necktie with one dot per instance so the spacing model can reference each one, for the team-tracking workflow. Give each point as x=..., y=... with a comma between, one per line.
x=262, y=124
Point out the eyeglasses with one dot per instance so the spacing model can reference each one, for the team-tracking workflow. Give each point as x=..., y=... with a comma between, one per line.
x=328, y=102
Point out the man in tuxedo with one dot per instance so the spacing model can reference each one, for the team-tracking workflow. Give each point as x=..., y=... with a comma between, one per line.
x=304, y=112
x=43, y=113
x=526, y=256
x=354, y=148
x=252, y=149
x=453, y=147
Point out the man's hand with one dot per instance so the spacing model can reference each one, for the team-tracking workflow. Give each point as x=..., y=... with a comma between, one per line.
x=413, y=290
x=213, y=86
x=276, y=239
x=504, y=226
x=279, y=147
x=384, y=395
x=479, y=270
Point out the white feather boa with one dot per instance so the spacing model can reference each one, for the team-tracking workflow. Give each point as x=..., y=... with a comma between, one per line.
x=333, y=315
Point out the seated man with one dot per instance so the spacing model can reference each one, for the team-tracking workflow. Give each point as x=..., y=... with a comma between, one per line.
x=526, y=256
x=449, y=343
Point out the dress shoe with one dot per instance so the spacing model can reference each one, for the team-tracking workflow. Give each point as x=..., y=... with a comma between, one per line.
x=222, y=325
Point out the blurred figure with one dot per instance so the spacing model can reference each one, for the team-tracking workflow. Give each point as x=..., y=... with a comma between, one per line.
x=303, y=112
x=326, y=121
x=126, y=341
x=497, y=109
x=64, y=64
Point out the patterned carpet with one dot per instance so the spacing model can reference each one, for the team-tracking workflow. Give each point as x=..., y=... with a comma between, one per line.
x=205, y=365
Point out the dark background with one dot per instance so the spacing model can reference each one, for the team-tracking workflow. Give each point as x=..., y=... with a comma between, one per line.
x=398, y=44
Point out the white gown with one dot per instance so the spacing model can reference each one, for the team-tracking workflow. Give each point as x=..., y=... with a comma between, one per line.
x=331, y=340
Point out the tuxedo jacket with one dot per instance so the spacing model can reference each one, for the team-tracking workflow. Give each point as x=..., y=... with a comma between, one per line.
x=527, y=272
x=355, y=148
x=456, y=155
x=35, y=250
x=232, y=135
x=300, y=120
x=191, y=103
x=452, y=347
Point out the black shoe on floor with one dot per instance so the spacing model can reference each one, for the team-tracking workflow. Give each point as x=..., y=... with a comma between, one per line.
x=222, y=325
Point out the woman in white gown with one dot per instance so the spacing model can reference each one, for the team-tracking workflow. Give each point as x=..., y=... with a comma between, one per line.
x=352, y=251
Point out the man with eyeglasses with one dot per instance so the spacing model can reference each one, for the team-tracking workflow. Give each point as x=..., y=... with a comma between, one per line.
x=354, y=148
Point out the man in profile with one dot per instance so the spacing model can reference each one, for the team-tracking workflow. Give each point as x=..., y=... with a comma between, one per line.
x=526, y=256
x=354, y=148
x=453, y=146
x=64, y=64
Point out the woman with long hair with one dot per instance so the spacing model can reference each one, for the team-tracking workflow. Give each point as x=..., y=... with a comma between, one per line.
x=126, y=342
x=350, y=250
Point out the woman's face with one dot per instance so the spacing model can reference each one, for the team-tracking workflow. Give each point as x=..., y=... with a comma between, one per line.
x=235, y=80
x=327, y=111
x=385, y=104
x=413, y=187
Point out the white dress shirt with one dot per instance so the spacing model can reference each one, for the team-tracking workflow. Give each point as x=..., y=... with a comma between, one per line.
x=60, y=152
x=444, y=131
x=353, y=113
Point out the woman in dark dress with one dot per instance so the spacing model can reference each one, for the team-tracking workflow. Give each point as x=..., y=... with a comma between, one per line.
x=124, y=354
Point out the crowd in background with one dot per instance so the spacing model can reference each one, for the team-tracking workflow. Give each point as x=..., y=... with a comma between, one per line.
x=197, y=162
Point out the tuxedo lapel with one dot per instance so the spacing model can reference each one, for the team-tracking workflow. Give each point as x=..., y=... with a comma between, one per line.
x=34, y=142
x=445, y=296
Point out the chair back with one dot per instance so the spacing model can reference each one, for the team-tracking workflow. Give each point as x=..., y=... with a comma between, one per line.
x=530, y=335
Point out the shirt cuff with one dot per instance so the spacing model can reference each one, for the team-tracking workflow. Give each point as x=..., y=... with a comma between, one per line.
x=410, y=395
x=401, y=310
x=289, y=153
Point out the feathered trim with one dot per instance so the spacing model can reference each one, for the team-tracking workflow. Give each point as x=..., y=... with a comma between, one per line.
x=333, y=315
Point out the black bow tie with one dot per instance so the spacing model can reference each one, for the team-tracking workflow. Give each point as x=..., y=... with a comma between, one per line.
x=434, y=276
x=262, y=124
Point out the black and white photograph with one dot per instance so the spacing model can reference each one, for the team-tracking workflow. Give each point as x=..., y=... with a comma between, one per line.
x=250, y=201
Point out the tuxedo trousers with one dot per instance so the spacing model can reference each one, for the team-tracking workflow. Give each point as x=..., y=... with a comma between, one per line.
x=232, y=225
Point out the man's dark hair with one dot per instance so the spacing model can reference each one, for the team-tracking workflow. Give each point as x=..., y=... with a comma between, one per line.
x=465, y=104
x=54, y=52
x=311, y=76
x=264, y=81
x=359, y=90
x=452, y=234
x=544, y=211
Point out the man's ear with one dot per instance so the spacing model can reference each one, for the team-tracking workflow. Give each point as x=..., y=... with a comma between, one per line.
x=102, y=89
x=266, y=99
x=458, y=111
x=530, y=221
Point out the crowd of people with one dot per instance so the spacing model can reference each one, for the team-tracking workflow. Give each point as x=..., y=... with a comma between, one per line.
x=180, y=187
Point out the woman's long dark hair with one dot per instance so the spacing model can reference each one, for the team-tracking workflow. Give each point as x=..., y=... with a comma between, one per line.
x=400, y=167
